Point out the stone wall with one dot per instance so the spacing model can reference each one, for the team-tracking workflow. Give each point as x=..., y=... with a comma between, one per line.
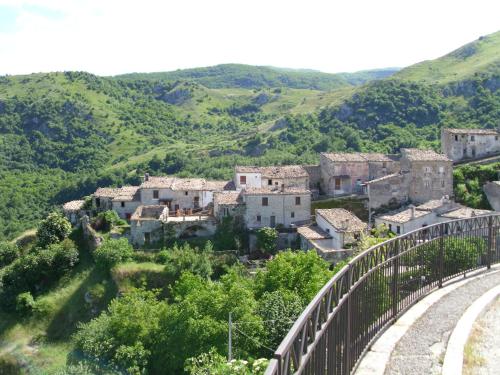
x=429, y=180
x=314, y=172
x=469, y=146
x=90, y=236
x=280, y=205
x=390, y=190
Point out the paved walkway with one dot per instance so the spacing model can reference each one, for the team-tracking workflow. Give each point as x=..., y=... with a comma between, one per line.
x=482, y=353
x=421, y=350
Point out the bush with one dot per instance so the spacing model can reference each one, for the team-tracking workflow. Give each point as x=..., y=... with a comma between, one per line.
x=112, y=252
x=25, y=303
x=107, y=220
x=53, y=229
x=8, y=253
x=267, y=240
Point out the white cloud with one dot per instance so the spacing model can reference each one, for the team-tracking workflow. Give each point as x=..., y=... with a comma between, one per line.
x=111, y=37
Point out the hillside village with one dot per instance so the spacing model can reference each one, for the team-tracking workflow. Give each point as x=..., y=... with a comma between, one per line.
x=403, y=192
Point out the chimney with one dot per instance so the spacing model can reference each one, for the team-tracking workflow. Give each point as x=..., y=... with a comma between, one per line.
x=146, y=176
x=412, y=210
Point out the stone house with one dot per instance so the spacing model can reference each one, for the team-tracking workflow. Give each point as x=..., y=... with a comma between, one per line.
x=335, y=229
x=492, y=191
x=180, y=193
x=102, y=199
x=265, y=207
x=294, y=176
x=126, y=201
x=228, y=203
x=72, y=210
x=460, y=144
x=390, y=190
x=146, y=224
x=429, y=213
x=430, y=174
x=345, y=173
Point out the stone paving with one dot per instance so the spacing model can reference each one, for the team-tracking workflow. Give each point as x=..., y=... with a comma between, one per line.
x=421, y=350
x=484, y=343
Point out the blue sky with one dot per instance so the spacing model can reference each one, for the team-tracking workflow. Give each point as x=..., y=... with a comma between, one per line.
x=111, y=37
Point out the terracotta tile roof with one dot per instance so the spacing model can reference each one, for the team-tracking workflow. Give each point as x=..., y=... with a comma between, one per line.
x=128, y=193
x=279, y=171
x=268, y=191
x=227, y=198
x=73, y=205
x=189, y=184
x=403, y=216
x=383, y=178
x=472, y=131
x=107, y=192
x=158, y=182
x=356, y=157
x=466, y=212
x=415, y=154
x=313, y=232
x=342, y=220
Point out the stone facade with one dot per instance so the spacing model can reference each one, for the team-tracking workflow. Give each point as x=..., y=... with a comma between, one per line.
x=146, y=224
x=430, y=174
x=492, y=191
x=345, y=173
x=388, y=190
x=273, y=207
x=294, y=176
x=460, y=144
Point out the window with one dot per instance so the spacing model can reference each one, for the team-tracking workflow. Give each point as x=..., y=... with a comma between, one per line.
x=398, y=229
x=390, y=227
x=186, y=193
x=384, y=164
x=292, y=214
x=297, y=201
x=122, y=204
x=427, y=184
x=243, y=180
x=269, y=182
x=496, y=137
x=265, y=201
x=156, y=194
x=442, y=183
x=98, y=202
x=472, y=138
x=427, y=169
x=259, y=218
x=337, y=184
x=327, y=230
x=456, y=138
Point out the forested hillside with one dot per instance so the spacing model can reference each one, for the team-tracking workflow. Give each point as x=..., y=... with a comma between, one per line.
x=64, y=134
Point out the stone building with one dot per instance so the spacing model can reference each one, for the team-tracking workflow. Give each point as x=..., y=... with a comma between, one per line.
x=429, y=213
x=335, y=229
x=102, y=199
x=345, y=173
x=180, y=193
x=126, y=201
x=265, y=207
x=430, y=174
x=228, y=203
x=146, y=224
x=460, y=144
x=72, y=210
x=390, y=190
x=492, y=191
x=269, y=177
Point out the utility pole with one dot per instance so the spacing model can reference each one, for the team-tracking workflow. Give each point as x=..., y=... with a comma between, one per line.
x=230, y=340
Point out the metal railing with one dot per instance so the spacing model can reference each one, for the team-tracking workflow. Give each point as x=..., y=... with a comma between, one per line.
x=376, y=287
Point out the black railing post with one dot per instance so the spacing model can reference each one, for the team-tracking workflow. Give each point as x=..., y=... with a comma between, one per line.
x=441, y=254
x=395, y=273
x=347, y=357
x=490, y=242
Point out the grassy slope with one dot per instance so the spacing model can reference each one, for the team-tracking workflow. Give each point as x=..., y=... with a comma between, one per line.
x=481, y=55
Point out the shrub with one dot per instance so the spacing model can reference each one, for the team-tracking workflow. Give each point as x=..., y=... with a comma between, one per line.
x=267, y=240
x=112, y=252
x=8, y=253
x=107, y=220
x=25, y=303
x=53, y=229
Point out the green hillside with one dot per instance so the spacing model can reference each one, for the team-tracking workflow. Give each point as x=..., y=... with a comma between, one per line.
x=64, y=134
x=479, y=56
x=258, y=77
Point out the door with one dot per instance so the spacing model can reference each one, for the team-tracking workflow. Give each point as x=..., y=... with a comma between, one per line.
x=196, y=202
x=337, y=183
x=147, y=238
x=272, y=221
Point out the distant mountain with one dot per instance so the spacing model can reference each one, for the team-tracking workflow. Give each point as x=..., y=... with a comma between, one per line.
x=258, y=77
x=481, y=56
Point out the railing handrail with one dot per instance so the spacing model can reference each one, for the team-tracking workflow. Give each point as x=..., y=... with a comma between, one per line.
x=428, y=234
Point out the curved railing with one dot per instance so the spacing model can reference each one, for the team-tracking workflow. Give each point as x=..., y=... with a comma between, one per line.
x=377, y=286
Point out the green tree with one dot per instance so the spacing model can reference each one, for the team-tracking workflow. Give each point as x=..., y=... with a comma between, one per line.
x=113, y=251
x=53, y=229
x=303, y=273
x=8, y=253
x=267, y=240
